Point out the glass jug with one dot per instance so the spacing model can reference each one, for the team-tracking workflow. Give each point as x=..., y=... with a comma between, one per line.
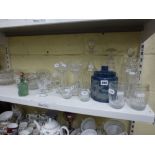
x=139, y=96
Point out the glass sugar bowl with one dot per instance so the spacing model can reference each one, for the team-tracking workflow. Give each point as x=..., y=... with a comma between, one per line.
x=84, y=95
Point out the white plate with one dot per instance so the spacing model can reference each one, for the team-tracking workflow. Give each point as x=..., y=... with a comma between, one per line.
x=6, y=115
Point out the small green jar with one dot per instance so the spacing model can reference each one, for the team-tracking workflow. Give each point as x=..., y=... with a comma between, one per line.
x=23, y=86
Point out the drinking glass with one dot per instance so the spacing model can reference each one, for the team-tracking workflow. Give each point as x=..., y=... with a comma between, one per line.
x=56, y=77
x=117, y=94
x=139, y=96
x=75, y=69
x=32, y=81
x=43, y=83
x=63, y=68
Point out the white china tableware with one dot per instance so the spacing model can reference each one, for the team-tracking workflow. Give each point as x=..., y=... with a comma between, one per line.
x=51, y=127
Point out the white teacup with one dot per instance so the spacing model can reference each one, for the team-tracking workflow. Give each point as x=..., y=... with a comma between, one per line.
x=88, y=123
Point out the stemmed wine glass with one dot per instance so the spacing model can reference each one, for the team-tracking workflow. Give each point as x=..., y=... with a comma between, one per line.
x=43, y=82
x=56, y=77
x=62, y=69
x=64, y=89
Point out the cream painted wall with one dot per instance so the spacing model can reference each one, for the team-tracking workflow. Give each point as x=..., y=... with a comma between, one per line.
x=31, y=53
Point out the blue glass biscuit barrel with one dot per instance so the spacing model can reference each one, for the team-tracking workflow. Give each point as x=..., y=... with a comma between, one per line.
x=100, y=84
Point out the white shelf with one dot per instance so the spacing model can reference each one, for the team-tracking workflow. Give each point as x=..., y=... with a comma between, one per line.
x=74, y=105
x=22, y=27
x=10, y=23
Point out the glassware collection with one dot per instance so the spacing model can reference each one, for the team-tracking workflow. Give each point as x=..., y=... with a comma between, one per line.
x=85, y=81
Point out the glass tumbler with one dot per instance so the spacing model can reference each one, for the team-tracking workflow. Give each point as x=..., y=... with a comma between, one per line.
x=32, y=81
x=56, y=77
x=139, y=97
x=43, y=83
x=75, y=69
x=117, y=94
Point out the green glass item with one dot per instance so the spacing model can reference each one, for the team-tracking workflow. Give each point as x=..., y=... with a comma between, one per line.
x=23, y=86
